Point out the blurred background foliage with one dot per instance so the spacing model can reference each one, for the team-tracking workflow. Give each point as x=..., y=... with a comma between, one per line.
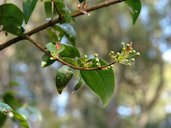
x=142, y=93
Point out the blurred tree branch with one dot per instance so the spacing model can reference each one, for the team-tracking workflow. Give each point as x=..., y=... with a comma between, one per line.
x=53, y=22
x=147, y=106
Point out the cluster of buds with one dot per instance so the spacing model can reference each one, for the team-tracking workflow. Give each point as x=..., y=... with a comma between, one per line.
x=85, y=62
x=96, y=59
x=125, y=56
x=90, y=62
x=82, y=8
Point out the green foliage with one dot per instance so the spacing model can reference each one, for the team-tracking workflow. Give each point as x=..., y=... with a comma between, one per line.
x=135, y=9
x=63, y=76
x=53, y=50
x=68, y=31
x=79, y=84
x=46, y=60
x=10, y=99
x=97, y=74
x=70, y=52
x=6, y=110
x=63, y=11
x=50, y=13
x=10, y=22
x=2, y=119
x=101, y=82
x=28, y=7
x=58, y=6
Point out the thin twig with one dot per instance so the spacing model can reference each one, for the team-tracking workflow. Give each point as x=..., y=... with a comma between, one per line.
x=53, y=22
x=36, y=44
x=66, y=63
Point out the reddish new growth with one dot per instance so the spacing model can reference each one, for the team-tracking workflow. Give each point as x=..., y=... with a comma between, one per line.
x=129, y=47
x=82, y=8
x=57, y=46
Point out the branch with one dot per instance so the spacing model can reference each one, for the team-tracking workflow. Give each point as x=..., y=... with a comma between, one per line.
x=66, y=63
x=53, y=22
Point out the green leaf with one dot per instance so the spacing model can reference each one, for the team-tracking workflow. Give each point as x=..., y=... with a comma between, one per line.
x=6, y=110
x=46, y=61
x=2, y=119
x=69, y=60
x=28, y=7
x=3, y=108
x=21, y=119
x=101, y=82
x=81, y=1
x=70, y=52
x=135, y=8
x=68, y=31
x=62, y=9
x=48, y=9
x=53, y=50
x=52, y=35
x=11, y=18
x=11, y=100
x=16, y=30
x=79, y=84
x=63, y=76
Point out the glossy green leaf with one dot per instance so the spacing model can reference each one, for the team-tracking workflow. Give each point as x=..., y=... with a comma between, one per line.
x=69, y=60
x=53, y=50
x=135, y=8
x=28, y=7
x=6, y=110
x=11, y=19
x=2, y=119
x=46, y=61
x=64, y=11
x=79, y=84
x=21, y=119
x=63, y=76
x=101, y=82
x=16, y=30
x=70, y=52
x=48, y=9
x=68, y=31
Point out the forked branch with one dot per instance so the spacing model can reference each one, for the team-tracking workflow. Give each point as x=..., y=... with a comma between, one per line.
x=53, y=22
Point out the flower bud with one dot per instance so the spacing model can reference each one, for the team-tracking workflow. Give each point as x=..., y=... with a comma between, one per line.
x=132, y=59
x=97, y=59
x=137, y=53
x=96, y=55
x=118, y=53
x=85, y=56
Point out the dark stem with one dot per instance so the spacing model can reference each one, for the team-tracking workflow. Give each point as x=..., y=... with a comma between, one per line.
x=53, y=22
x=66, y=63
